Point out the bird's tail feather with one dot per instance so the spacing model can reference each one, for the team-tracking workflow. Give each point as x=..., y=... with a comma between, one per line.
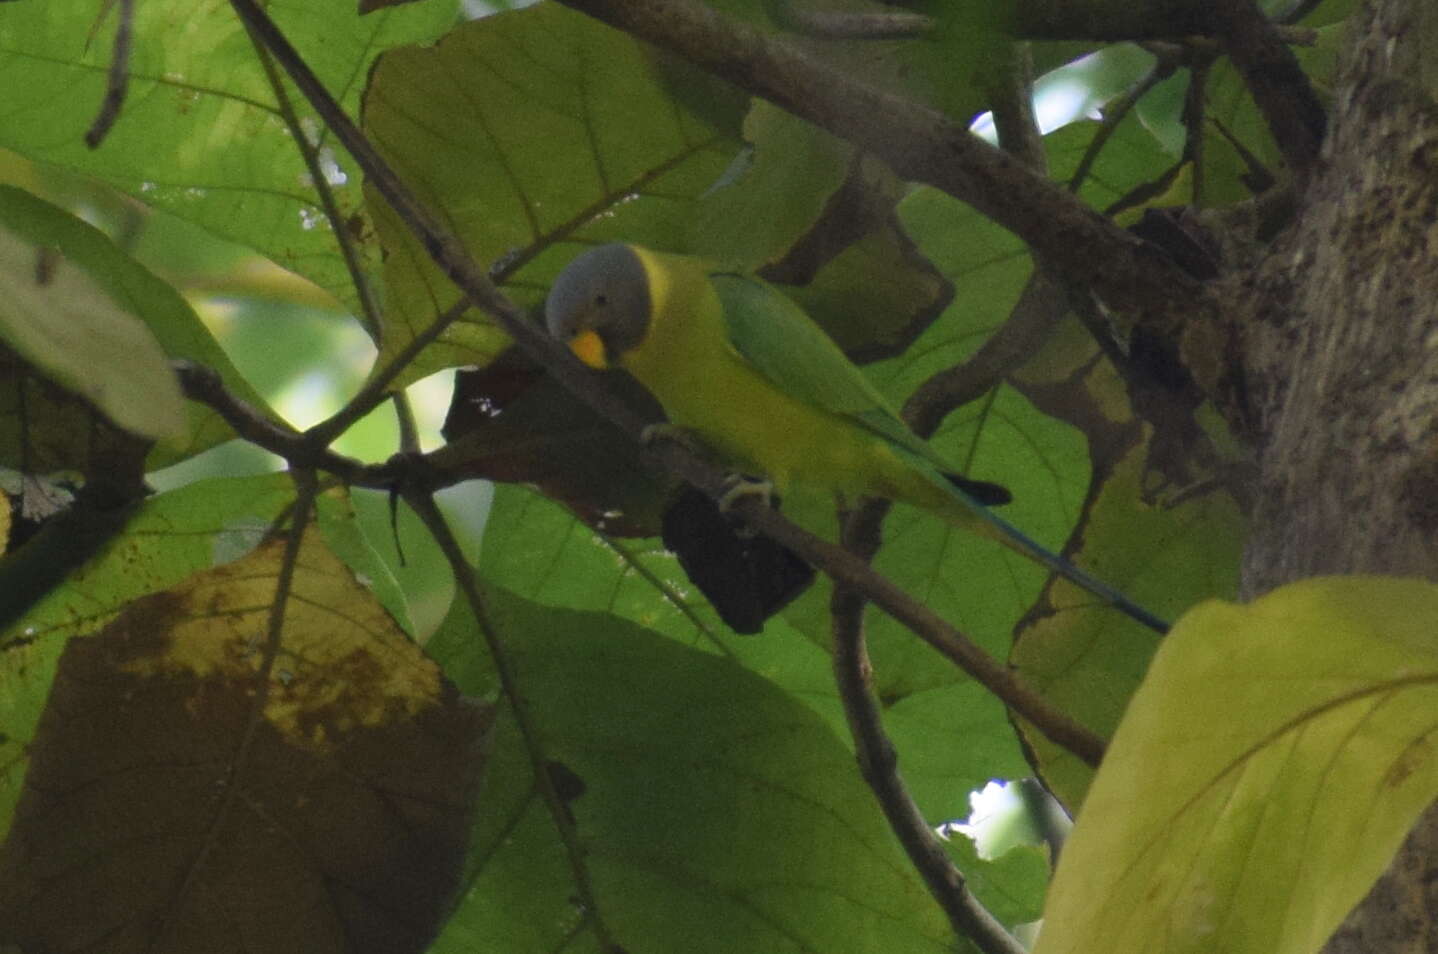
x=1015, y=539
x=1021, y=542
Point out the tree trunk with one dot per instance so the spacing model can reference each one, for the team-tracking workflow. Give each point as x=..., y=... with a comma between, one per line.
x=1338, y=333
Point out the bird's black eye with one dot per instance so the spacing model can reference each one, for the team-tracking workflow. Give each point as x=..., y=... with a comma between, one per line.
x=601, y=300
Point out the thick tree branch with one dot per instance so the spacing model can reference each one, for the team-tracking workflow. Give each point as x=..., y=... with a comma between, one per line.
x=922, y=145
x=452, y=258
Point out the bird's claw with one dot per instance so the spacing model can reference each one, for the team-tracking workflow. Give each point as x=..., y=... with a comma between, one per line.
x=739, y=486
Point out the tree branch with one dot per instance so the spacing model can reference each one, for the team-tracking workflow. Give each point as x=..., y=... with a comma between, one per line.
x=369, y=309
x=879, y=764
x=922, y=145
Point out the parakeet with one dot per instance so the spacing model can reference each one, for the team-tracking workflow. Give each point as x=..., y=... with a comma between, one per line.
x=749, y=374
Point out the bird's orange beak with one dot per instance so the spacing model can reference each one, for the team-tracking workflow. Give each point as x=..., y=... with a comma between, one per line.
x=588, y=347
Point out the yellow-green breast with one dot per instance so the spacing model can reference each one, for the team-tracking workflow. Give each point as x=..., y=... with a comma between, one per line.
x=708, y=388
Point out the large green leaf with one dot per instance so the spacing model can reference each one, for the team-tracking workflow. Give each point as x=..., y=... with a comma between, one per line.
x=954, y=736
x=1267, y=769
x=531, y=134
x=199, y=134
x=715, y=812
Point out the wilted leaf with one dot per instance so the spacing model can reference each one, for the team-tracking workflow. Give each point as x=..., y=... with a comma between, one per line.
x=172, y=536
x=1264, y=774
x=512, y=422
x=177, y=803
x=1086, y=658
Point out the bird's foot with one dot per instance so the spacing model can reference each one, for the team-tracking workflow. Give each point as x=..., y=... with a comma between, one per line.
x=739, y=486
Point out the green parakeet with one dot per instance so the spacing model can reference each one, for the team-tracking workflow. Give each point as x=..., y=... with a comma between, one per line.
x=747, y=372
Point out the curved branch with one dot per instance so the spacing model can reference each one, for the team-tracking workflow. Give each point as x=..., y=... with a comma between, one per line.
x=879, y=764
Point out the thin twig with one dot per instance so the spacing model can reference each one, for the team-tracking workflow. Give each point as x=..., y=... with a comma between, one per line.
x=1011, y=97
x=879, y=765
x=408, y=426
x=1031, y=318
x=1195, y=107
x=117, y=81
x=449, y=254
x=429, y=514
x=369, y=314
x=203, y=384
x=1114, y=114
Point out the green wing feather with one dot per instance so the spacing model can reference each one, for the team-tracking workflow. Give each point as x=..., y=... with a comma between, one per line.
x=783, y=343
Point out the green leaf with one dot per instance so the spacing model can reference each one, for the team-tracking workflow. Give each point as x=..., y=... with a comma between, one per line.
x=533, y=133
x=1129, y=157
x=715, y=812
x=757, y=214
x=954, y=735
x=199, y=134
x=1267, y=769
x=1010, y=886
x=95, y=292
x=335, y=518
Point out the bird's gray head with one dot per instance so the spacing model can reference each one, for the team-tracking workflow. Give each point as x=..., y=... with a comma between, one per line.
x=599, y=305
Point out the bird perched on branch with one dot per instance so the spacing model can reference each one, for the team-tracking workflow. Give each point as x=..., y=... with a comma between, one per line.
x=744, y=370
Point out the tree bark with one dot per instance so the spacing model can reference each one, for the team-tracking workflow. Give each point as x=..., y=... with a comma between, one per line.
x=1336, y=334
